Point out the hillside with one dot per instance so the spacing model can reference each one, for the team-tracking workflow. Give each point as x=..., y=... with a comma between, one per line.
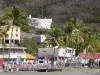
x=60, y=10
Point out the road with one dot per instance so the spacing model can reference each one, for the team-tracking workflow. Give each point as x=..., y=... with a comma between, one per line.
x=69, y=72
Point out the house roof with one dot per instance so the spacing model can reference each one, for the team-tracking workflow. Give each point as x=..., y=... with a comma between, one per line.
x=29, y=35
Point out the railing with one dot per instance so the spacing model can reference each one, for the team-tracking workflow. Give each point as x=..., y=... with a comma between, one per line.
x=26, y=67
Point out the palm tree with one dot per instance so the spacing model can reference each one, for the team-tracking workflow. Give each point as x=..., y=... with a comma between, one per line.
x=93, y=44
x=72, y=35
x=52, y=38
x=53, y=35
x=14, y=16
x=3, y=33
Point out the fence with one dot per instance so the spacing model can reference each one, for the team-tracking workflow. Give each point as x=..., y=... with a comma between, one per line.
x=27, y=67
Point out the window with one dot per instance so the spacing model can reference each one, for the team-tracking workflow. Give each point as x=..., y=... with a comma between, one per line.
x=16, y=35
x=12, y=41
x=16, y=30
x=7, y=41
x=69, y=51
x=12, y=50
x=6, y=50
x=16, y=41
x=19, y=51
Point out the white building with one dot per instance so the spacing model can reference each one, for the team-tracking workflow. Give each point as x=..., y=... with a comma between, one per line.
x=68, y=52
x=61, y=54
x=12, y=54
x=40, y=23
x=14, y=34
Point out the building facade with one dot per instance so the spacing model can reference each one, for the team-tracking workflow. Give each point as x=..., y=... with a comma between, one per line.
x=40, y=23
x=67, y=52
x=13, y=35
x=12, y=53
x=60, y=54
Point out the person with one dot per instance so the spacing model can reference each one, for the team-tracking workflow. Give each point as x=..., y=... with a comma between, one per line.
x=3, y=66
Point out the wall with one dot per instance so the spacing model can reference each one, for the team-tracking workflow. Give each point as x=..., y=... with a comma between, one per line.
x=16, y=30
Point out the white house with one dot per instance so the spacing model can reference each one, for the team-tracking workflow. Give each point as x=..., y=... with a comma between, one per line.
x=40, y=23
x=68, y=52
x=14, y=34
x=58, y=53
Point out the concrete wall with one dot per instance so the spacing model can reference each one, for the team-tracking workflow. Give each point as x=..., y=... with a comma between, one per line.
x=47, y=51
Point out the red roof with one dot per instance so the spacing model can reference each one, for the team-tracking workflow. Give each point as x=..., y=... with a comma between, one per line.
x=88, y=56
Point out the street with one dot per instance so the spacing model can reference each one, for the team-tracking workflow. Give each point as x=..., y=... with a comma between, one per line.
x=69, y=72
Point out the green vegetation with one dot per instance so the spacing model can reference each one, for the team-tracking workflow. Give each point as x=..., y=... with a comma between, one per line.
x=30, y=44
x=81, y=32
x=14, y=16
x=76, y=35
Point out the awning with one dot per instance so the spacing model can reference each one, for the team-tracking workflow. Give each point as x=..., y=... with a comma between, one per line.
x=29, y=56
x=1, y=61
x=61, y=57
x=40, y=57
x=89, y=56
x=48, y=57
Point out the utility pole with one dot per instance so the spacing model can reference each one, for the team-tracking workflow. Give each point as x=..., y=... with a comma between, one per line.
x=10, y=44
x=9, y=50
x=54, y=57
x=42, y=12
